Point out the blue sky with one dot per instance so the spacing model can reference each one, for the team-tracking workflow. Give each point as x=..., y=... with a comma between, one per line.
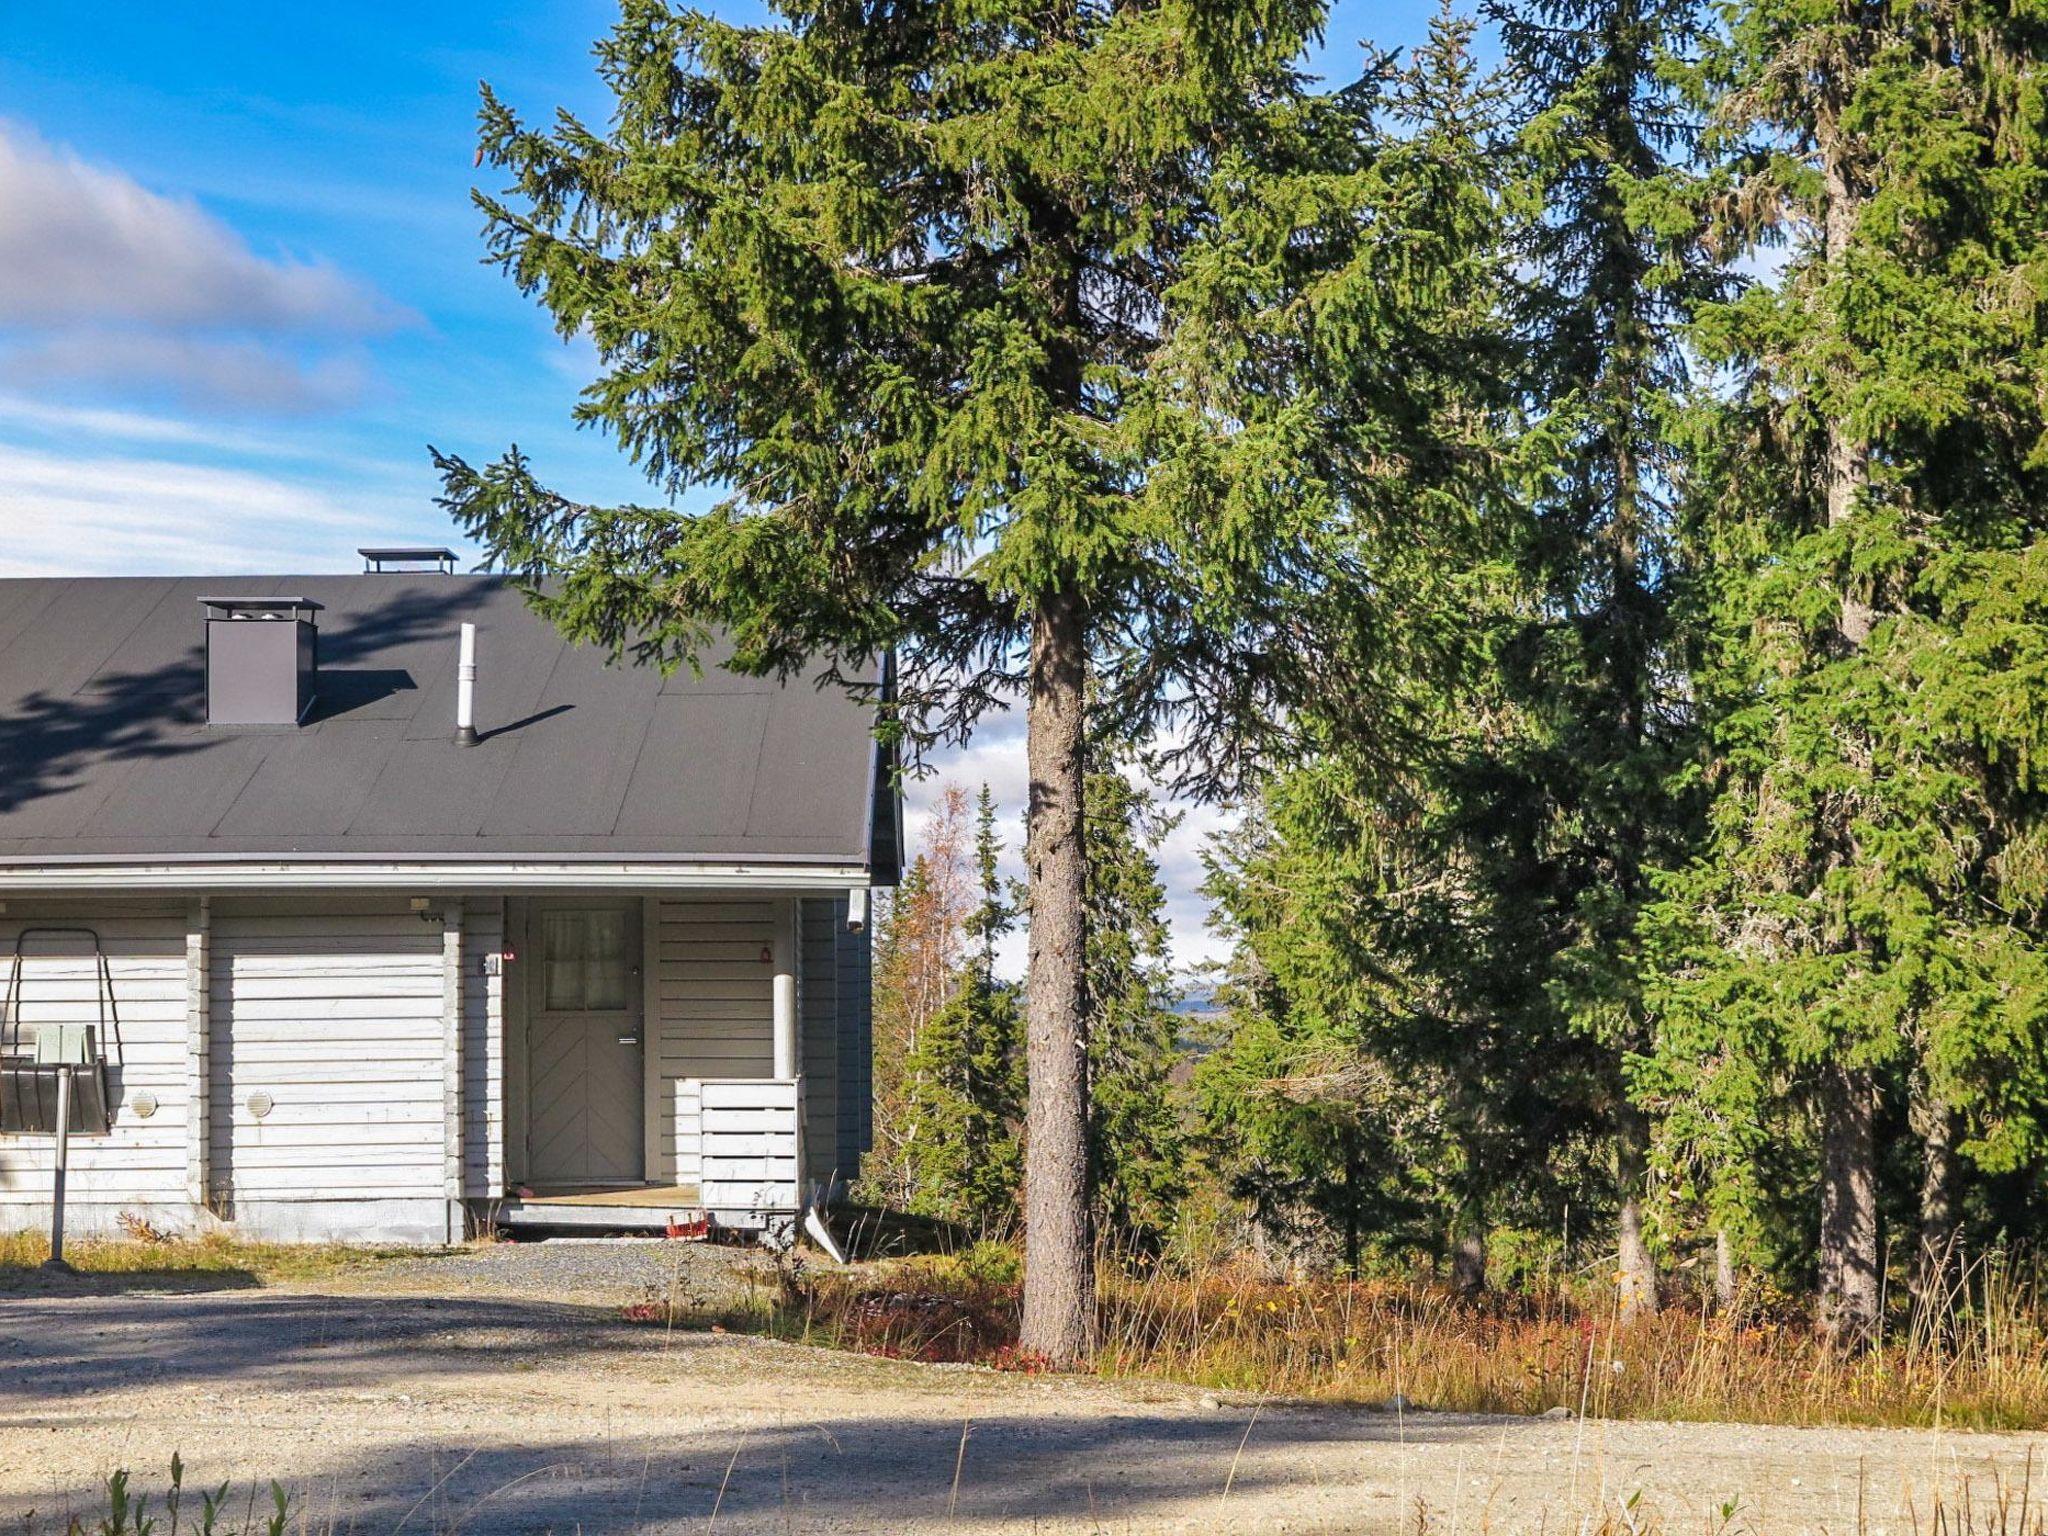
x=240, y=289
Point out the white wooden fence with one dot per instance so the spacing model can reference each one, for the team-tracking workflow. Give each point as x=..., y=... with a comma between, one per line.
x=752, y=1144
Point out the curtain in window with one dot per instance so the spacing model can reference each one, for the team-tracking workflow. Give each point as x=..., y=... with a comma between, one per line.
x=587, y=969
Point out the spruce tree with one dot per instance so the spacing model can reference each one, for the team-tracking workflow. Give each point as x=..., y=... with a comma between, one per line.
x=1862, y=931
x=1399, y=899
x=1038, y=343
x=1136, y=1135
x=963, y=1107
x=919, y=941
x=1613, y=265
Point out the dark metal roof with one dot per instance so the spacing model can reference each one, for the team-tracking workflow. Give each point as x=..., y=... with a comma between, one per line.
x=105, y=751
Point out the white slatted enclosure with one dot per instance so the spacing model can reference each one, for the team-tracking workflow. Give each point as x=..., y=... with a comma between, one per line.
x=752, y=1145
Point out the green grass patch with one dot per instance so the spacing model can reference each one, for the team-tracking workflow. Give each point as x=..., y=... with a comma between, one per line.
x=214, y=1258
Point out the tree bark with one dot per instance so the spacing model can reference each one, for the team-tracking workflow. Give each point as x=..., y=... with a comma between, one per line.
x=1849, y=1258
x=1849, y=1295
x=1636, y=1271
x=1468, y=1249
x=1725, y=1287
x=1059, y=1259
x=1940, y=1208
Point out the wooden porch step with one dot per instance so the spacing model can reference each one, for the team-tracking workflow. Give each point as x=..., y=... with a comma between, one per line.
x=667, y=1196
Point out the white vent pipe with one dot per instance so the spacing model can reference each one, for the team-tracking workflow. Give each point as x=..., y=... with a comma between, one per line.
x=465, y=690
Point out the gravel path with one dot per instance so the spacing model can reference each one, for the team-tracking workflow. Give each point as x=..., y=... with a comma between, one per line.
x=482, y=1407
x=600, y=1271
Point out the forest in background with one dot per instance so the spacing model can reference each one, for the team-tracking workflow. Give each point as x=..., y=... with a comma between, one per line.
x=1669, y=913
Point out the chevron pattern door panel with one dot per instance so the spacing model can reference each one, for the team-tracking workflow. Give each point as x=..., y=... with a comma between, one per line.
x=584, y=1048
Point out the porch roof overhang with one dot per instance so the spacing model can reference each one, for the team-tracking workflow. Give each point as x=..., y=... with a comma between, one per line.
x=283, y=872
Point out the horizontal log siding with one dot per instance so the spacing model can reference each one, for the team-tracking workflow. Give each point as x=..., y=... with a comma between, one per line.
x=337, y=1014
x=713, y=1013
x=483, y=1050
x=142, y=1163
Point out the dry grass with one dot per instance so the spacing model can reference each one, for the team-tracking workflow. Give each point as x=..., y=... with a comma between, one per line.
x=214, y=1256
x=1983, y=1364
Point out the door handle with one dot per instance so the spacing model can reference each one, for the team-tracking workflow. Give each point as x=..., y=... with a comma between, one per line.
x=629, y=1039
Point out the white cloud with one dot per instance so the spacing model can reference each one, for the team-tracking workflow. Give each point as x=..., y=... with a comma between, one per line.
x=85, y=243
x=109, y=290
x=201, y=372
x=995, y=756
x=71, y=514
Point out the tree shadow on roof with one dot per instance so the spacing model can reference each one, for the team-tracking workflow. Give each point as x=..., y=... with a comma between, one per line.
x=56, y=744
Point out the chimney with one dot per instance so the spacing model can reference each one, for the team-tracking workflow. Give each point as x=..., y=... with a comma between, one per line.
x=262, y=659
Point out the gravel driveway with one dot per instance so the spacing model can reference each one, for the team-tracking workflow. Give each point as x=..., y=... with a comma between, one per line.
x=465, y=1393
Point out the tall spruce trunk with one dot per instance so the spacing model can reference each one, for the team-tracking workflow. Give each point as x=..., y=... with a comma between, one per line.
x=1059, y=1260
x=1468, y=1245
x=1636, y=1270
x=1726, y=1286
x=1849, y=1262
x=1629, y=660
x=1849, y=1257
x=1940, y=1205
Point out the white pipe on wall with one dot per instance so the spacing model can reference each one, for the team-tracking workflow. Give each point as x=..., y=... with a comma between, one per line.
x=465, y=689
x=785, y=1014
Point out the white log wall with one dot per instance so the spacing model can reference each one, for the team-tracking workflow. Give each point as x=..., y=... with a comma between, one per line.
x=483, y=1049
x=337, y=1015
x=337, y=1008
x=142, y=1165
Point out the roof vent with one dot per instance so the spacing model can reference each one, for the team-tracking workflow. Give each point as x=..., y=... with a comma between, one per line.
x=407, y=557
x=262, y=659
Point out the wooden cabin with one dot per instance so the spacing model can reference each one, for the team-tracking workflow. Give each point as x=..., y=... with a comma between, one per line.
x=358, y=965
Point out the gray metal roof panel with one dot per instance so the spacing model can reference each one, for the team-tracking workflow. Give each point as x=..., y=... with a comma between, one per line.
x=104, y=751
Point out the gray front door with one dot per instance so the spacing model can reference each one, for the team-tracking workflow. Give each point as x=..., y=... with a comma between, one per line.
x=584, y=1045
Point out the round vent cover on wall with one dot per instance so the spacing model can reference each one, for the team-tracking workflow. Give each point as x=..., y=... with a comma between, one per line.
x=260, y=1104
x=143, y=1104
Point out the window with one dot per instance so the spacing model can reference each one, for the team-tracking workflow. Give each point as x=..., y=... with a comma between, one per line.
x=584, y=961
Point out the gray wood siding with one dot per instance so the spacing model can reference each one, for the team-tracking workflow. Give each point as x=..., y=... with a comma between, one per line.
x=712, y=1013
x=819, y=1003
x=856, y=1049
x=143, y=1161
x=338, y=1015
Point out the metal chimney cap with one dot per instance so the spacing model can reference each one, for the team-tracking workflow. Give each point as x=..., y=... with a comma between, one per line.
x=377, y=556
x=262, y=604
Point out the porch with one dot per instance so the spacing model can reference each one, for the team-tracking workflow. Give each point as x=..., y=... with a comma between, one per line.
x=672, y=1058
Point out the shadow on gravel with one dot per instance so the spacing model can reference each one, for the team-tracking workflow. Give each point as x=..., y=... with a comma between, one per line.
x=18, y=1280
x=54, y=1344
x=1035, y=1460
x=1047, y=1473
